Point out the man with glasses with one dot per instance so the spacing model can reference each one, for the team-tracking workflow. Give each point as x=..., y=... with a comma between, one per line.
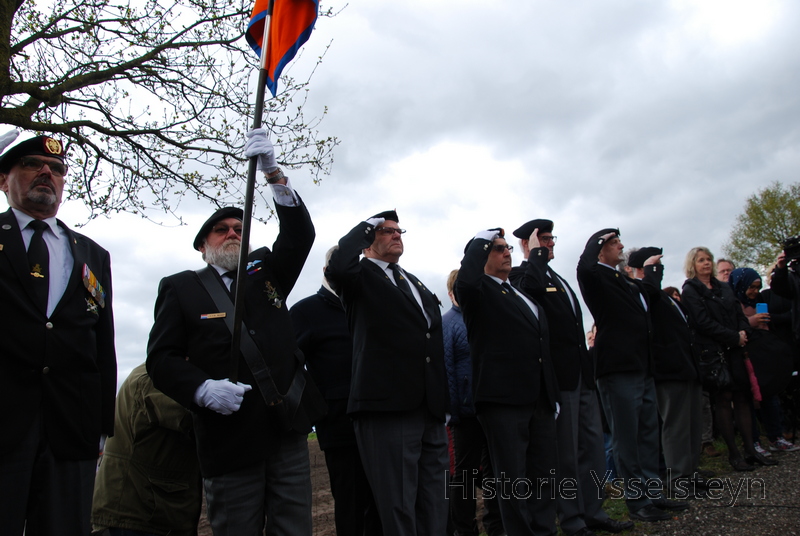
x=58, y=371
x=398, y=395
x=514, y=385
x=624, y=370
x=254, y=462
x=579, y=427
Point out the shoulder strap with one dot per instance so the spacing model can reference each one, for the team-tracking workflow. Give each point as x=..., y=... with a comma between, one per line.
x=252, y=356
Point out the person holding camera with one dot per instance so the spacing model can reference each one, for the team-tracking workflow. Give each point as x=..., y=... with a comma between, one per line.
x=786, y=279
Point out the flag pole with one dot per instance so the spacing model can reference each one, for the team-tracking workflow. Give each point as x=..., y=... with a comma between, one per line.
x=238, y=307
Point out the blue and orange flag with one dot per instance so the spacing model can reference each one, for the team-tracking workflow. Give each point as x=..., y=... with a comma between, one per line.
x=290, y=27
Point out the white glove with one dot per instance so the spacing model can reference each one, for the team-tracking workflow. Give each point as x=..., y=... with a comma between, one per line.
x=221, y=396
x=489, y=234
x=7, y=138
x=376, y=221
x=260, y=146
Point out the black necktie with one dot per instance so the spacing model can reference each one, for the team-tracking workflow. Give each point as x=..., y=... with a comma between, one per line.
x=513, y=292
x=401, y=281
x=39, y=262
x=232, y=274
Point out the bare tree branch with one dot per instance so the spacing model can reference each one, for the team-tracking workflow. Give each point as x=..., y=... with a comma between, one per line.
x=152, y=97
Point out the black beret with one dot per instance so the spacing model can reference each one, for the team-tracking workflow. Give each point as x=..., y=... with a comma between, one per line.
x=38, y=146
x=596, y=236
x=526, y=229
x=221, y=214
x=637, y=258
x=390, y=215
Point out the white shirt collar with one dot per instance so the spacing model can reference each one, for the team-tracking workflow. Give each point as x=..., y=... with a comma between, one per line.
x=24, y=219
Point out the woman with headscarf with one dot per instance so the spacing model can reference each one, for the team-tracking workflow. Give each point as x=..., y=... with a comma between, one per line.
x=770, y=357
x=721, y=329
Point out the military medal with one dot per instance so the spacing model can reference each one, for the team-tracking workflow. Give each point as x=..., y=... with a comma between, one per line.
x=274, y=297
x=93, y=286
x=91, y=306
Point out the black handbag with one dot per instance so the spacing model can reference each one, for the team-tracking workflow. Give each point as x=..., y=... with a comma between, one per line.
x=715, y=373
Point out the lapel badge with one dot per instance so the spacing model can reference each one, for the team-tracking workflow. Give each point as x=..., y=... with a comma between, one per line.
x=91, y=306
x=36, y=271
x=252, y=267
x=273, y=296
x=93, y=286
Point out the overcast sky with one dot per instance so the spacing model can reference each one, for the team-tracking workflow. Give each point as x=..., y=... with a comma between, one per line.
x=658, y=117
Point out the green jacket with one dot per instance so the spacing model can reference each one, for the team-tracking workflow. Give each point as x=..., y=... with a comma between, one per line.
x=149, y=477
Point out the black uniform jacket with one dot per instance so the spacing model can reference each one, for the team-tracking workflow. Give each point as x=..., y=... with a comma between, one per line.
x=571, y=360
x=398, y=361
x=323, y=336
x=187, y=347
x=673, y=341
x=63, y=367
x=510, y=348
x=624, y=330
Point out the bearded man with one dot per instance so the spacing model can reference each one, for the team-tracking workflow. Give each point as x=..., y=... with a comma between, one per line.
x=253, y=457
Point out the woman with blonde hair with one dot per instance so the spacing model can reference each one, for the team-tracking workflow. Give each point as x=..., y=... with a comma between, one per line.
x=721, y=329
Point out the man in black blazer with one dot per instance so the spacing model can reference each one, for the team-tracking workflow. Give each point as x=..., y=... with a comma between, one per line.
x=254, y=462
x=579, y=428
x=58, y=370
x=398, y=394
x=514, y=384
x=322, y=334
x=678, y=389
x=624, y=368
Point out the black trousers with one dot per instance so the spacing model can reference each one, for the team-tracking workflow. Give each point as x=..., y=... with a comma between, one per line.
x=471, y=468
x=354, y=506
x=53, y=496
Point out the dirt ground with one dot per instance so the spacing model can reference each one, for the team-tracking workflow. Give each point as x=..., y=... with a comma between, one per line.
x=771, y=507
x=322, y=505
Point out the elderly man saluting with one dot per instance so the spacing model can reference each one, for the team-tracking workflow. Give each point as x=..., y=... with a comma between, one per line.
x=514, y=384
x=398, y=394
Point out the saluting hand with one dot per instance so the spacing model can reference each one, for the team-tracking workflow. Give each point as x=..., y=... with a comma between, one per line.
x=7, y=138
x=375, y=221
x=533, y=241
x=490, y=234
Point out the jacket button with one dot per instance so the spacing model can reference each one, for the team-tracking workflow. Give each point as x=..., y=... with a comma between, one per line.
x=252, y=332
x=540, y=360
x=45, y=370
x=49, y=325
x=427, y=359
x=427, y=335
